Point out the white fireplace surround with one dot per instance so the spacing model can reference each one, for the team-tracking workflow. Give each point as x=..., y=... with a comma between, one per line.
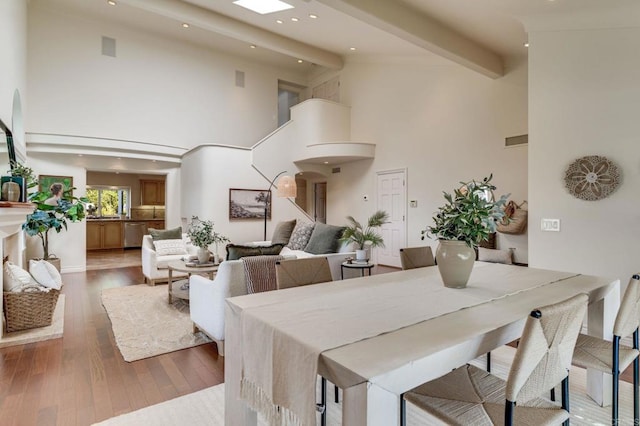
x=13, y=242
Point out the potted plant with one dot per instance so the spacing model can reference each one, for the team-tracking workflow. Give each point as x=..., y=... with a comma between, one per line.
x=361, y=236
x=48, y=216
x=470, y=215
x=202, y=235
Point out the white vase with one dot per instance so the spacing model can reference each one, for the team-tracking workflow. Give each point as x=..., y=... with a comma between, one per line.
x=455, y=261
x=203, y=255
x=361, y=255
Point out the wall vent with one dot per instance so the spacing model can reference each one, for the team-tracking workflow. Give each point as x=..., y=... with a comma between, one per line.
x=516, y=140
x=335, y=170
x=109, y=46
x=239, y=78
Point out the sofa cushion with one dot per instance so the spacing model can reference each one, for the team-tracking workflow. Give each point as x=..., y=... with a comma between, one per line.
x=282, y=233
x=17, y=279
x=495, y=256
x=300, y=235
x=166, y=234
x=236, y=251
x=168, y=247
x=45, y=274
x=324, y=239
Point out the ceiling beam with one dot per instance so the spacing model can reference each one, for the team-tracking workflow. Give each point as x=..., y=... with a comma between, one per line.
x=396, y=18
x=211, y=21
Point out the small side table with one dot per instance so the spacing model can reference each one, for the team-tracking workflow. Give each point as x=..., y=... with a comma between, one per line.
x=355, y=265
x=179, y=265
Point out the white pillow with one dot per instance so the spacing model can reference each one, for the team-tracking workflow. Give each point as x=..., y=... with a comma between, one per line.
x=167, y=247
x=16, y=279
x=45, y=274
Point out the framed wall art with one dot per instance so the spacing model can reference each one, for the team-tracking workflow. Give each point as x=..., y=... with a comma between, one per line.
x=54, y=184
x=249, y=203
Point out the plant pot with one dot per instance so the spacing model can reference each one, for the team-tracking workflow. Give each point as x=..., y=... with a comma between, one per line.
x=203, y=255
x=455, y=261
x=361, y=254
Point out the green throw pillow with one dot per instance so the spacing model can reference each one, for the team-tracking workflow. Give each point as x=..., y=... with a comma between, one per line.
x=166, y=234
x=235, y=251
x=324, y=239
x=283, y=231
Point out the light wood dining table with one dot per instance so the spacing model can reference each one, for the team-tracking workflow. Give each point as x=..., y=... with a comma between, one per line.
x=405, y=347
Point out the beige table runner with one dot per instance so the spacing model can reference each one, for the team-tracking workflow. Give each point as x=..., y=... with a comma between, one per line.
x=284, y=332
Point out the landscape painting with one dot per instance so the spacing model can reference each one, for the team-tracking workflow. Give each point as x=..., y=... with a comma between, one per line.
x=248, y=203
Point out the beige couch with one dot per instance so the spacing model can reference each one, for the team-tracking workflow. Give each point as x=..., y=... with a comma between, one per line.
x=207, y=297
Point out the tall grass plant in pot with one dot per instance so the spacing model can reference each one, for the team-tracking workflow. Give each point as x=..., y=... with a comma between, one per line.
x=364, y=237
x=470, y=216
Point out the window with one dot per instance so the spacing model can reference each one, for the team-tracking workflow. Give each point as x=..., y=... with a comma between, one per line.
x=108, y=200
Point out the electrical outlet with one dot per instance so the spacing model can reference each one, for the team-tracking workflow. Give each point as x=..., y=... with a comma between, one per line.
x=552, y=225
x=413, y=203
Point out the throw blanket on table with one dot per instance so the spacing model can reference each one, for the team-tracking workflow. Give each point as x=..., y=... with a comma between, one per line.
x=284, y=334
x=260, y=273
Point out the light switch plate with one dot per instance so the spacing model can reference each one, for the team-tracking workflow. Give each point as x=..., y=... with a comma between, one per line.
x=552, y=225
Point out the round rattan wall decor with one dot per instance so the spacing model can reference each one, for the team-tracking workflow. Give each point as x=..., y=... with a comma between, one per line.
x=592, y=178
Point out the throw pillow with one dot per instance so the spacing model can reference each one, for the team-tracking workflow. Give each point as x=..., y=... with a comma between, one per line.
x=166, y=234
x=324, y=239
x=282, y=233
x=300, y=235
x=235, y=251
x=167, y=247
x=45, y=274
x=16, y=278
x=495, y=256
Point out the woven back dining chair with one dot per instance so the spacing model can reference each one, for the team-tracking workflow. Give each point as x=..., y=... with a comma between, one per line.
x=470, y=395
x=416, y=257
x=611, y=356
x=299, y=272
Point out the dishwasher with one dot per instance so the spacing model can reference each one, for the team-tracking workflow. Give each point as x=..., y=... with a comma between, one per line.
x=133, y=233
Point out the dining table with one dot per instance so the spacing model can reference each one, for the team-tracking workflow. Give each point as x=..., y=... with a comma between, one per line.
x=379, y=336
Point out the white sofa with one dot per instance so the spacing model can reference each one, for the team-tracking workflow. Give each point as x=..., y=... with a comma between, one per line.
x=154, y=267
x=207, y=297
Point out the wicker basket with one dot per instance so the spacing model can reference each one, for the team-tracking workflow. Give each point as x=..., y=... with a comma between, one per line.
x=29, y=309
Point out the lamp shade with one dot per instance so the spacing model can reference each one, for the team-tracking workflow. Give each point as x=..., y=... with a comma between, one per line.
x=287, y=187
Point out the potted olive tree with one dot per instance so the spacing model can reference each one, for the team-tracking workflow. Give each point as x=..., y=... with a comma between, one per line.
x=48, y=216
x=469, y=216
x=202, y=236
x=362, y=236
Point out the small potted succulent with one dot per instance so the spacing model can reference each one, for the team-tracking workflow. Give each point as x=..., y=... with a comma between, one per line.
x=202, y=236
x=469, y=217
x=364, y=237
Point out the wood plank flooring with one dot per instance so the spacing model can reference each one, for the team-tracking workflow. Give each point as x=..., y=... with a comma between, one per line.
x=82, y=378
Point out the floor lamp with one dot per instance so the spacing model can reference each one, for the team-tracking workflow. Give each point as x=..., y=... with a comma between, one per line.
x=286, y=187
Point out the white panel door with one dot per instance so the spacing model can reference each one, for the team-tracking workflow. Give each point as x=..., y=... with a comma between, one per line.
x=391, y=198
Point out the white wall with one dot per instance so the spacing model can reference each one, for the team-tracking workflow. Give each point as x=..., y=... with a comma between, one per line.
x=156, y=90
x=584, y=100
x=442, y=122
x=13, y=42
x=207, y=175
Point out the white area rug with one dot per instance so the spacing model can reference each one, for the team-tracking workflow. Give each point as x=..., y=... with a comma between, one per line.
x=145, y=325
x=206, y=407
x=52, y=331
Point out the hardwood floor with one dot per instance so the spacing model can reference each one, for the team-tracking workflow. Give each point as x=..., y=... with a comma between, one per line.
x=82, y=378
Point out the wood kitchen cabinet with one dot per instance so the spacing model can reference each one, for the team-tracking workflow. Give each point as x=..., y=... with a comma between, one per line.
x=155, y=224
x=105, y=234
x=152, y=192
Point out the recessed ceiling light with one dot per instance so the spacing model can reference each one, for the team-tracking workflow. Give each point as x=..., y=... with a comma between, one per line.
x=253, y=46
x=111, y=2
x=263, y=6
x=279, y=21
x=294, y=19
x=300, y=61
x=326, y=162
x=153, y=161
x=352, y=48
x=185, y=25
x=526, y=44
x=313, y=16
x=80, y=155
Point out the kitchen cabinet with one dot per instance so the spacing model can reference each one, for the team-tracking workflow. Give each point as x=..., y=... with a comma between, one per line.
x=104, y=234
x=152, y=192
x=155, y=224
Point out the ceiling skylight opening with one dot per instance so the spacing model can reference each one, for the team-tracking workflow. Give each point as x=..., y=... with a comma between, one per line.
x=263, y=6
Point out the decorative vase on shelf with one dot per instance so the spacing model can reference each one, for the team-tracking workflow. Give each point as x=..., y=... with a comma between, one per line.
x=203, y=255
x=11, y=191
x=455, y=261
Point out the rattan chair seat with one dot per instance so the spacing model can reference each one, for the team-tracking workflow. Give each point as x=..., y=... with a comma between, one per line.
x=592, y=352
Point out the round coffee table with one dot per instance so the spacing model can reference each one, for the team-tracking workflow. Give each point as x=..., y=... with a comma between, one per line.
x=177, y=289
x=356, y=265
